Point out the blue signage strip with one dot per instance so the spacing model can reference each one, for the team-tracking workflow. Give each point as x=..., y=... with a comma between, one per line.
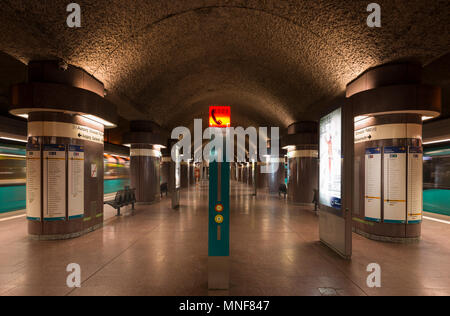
x=54, y=219
x=33, y=147
x=395, y=150
x=76, y=148
x=54, y=148
x=373, y=151
x=219, y=210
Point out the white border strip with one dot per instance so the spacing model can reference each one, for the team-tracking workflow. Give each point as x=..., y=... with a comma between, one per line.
x=145, y=153
x=68, y=130
x=436, y=220
x=12, y=217
x=388, y=131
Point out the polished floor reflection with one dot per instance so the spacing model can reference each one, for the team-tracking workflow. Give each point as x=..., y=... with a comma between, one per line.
x=274, y=251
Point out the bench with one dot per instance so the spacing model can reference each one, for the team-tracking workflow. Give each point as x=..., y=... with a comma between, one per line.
x=123, y=198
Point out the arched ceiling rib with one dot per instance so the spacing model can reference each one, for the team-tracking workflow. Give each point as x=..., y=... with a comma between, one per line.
x=273, y=61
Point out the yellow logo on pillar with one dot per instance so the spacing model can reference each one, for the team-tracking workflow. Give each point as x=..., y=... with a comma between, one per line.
x=219, y=219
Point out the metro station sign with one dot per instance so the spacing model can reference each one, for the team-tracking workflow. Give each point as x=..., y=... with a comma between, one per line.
x=220, y=116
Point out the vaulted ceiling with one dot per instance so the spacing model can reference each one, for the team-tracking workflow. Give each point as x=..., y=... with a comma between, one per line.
x=275, y=62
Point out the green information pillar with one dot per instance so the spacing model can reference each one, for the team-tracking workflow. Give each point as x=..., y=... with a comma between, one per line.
x=219, y=225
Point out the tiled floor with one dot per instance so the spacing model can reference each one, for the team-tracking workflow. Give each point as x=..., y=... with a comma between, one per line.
x=274, y=251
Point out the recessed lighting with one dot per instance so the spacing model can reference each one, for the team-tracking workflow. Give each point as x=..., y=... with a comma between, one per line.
x=99, y=120
x=25, y=116
x=426, y=118
x=360, y=118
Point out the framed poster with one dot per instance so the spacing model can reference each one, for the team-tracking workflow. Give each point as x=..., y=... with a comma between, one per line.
x=395, y=184
x=54, y=182
x=415, y=185
x=330, y=159
x=34, y=173
x=372, y=194
x=76, y=181
x=336, y=171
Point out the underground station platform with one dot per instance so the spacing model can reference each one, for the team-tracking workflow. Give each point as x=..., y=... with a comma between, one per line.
x=230, y=155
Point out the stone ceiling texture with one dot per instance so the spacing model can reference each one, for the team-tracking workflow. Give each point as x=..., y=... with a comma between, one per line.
x=275, y=62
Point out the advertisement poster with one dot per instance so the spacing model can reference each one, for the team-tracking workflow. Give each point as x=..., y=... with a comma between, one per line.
x=395, y=184
x=76, y=181
x=330, y=159
x=415, y=180
x=372, y=195
x=54, y=182
x=34, y=182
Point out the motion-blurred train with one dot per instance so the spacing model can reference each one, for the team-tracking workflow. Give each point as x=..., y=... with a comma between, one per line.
x=13, y=176
x=117, y=175
x=436, y=180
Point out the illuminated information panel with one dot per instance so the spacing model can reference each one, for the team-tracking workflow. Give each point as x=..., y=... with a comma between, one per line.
x=395, y=184
x=330, y=159
x=34, y=182
x=415, y=187
x=372, y=193
x=54, y=182
x=76, y=181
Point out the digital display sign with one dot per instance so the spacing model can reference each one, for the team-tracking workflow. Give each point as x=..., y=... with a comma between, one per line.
x=219, y=116
x=330, y=159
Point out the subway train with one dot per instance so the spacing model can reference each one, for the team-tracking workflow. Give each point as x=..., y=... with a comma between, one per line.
x=117, y=173
x=436, y=180
x=13, y=176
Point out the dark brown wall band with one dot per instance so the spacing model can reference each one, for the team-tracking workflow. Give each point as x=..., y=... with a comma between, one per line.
x=58, y=97
x=422, y=99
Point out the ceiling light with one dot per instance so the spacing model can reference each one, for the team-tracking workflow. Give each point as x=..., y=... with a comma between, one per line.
x=99, y=120
x=25, y=116
x=426, y=118
x=360, y=118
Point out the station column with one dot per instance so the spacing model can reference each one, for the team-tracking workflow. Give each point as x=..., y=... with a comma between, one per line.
x=166, y=160
x=390, y=103
x=67, y=115
x=146, y=143
x=302, y=146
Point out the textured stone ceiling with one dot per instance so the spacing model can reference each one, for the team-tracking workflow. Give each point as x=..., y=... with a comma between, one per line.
x=275, y=62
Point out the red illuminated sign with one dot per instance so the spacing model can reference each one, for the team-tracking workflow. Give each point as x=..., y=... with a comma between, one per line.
x=219, y=116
